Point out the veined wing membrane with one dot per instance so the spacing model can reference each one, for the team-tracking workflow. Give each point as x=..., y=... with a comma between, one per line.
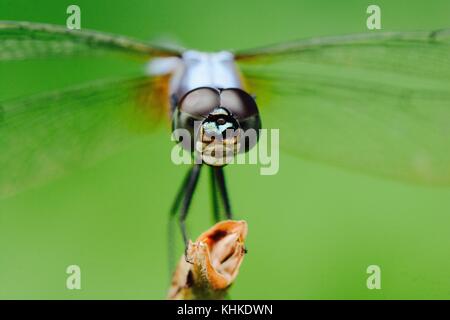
x=378, y=104
x=26, y=40
x=45, y=136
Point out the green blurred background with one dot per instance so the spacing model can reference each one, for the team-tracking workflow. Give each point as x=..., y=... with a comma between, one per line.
x=313, y=229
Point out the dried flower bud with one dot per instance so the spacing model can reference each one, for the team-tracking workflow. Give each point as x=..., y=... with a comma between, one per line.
x=214, y=261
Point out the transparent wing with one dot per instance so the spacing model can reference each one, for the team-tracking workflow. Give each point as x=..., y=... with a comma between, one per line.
x=378, y=104
x=44, y=136
x=25, y=40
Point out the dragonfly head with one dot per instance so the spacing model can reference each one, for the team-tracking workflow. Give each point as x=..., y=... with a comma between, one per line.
x=220, y=123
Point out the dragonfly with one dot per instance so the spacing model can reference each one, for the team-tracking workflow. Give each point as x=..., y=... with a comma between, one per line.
x=377, y=103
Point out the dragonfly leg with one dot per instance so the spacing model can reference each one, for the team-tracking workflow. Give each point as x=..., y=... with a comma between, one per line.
x=177, y=201
x=171, y=225
x=188, y=193
x=220, y=177
x=214, y=199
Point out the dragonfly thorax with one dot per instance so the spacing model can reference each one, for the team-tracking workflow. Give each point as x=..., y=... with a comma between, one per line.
x=195, y=69
x=202, y=69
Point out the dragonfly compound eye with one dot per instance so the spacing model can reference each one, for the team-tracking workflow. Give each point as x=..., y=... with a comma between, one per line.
x=244, y=109
x=192, y=109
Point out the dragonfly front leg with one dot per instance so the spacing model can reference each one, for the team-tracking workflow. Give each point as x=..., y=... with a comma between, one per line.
x=189, y=189
x=220, y=177
x=175, y=208
x=214, y=198
x=177, y=201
